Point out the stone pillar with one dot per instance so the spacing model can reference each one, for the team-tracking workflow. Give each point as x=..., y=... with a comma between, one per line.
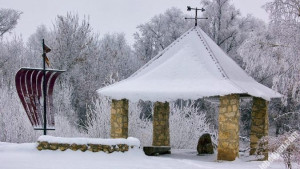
x=229, y=115
x=119, y=119
x=259, y=124
x=161, y=133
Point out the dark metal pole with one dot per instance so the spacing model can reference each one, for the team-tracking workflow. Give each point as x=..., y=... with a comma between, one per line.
x=44, y=88
x=196, y=18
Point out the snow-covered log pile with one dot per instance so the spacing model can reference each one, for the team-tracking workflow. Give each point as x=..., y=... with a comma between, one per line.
x=90, y=144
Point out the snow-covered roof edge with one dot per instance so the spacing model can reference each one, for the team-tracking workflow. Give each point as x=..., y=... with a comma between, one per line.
x=263, y=92
x=149, y=62
x=162, y=52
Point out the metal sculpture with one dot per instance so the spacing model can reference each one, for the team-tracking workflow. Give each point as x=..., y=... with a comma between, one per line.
x=196, y=14
x=35, y=89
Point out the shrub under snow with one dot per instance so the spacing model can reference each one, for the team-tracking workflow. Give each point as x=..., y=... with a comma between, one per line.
x=187, y=123
x=285, y=146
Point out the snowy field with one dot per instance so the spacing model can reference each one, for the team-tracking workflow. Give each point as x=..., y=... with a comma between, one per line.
x=26, y=156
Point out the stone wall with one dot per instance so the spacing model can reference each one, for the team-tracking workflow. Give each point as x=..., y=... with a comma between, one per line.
x=119, y=119
x=259, y=124
x=84, y=147
x=229, y=116
x=161, y=133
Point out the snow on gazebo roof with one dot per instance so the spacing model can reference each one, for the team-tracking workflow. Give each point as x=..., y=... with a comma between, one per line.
x=192, y=67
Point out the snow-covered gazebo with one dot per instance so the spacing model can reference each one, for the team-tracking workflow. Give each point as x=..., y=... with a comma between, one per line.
x=192, y=67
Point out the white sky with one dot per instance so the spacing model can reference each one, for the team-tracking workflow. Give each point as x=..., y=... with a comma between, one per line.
x=108, y=15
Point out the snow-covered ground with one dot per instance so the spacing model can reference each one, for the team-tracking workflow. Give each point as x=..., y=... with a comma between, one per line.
x=26, y=156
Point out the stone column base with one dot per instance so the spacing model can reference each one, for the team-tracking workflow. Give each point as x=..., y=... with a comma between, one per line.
x=259, y=125
x=161, y=134
x=119, y=119
x=229, y=115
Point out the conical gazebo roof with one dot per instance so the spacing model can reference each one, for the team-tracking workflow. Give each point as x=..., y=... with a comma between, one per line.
x=192, y=67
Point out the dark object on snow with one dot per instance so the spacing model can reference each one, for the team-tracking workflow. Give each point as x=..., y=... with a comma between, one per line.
x=205, y=145
x=157, y=150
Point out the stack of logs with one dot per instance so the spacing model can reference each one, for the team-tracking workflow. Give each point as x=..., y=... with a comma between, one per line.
x=90, y=147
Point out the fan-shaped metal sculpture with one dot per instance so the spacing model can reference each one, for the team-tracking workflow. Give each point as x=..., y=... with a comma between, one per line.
x=35, y=86
x=29, y=84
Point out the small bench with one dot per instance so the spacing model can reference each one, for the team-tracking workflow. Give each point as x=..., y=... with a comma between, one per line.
x=157, y=150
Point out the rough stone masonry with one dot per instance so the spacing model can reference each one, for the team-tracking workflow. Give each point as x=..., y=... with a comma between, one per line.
x=229, y=115
x=259, y=124
x=119, y=119
x=161, y=133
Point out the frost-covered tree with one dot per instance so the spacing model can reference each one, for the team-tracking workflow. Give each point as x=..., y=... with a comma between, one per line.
x=88, y=59
x=14, y=124
x=75, y=49
x=98, y=118
x=272, y=57
x=285, y=146
x=222, y=23
x=13, y=120
x=159, y=32
x=258, y=50
x=140, y=126
x=34, y=46
x=116, y=57
x=226, y=26
x=8, y=20
x=12, y=54
x=10, y=51
x=187, y=123
x=74, y=41
x=285, y=26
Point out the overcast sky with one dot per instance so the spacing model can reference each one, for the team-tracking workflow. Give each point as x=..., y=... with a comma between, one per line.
x=108, y=15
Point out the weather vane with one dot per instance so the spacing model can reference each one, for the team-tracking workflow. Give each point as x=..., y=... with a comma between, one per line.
x=196, y=15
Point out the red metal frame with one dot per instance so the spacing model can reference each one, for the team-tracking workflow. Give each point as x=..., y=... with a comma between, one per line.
x=29, y=84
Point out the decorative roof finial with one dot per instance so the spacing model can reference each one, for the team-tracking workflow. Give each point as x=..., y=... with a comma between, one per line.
x=196, y=15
